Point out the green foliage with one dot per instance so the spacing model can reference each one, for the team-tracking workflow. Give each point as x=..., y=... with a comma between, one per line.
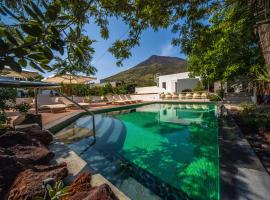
x=23, y=107
x=56, y=192
x=27, y=39
x=7, y=97
x=257, y=118
x=227, y=47
x=186, y=90
x=36, y=78
x=7, y=94
x=199, y=87
x=3, y=118
x=213, y=97
x=39, y=30
x=89, y=90
x=217, y=36
x=247, y=107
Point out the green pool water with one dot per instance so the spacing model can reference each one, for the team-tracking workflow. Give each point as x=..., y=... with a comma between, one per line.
x=178, y=144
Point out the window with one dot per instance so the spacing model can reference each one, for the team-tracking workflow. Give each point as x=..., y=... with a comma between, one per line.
x=164, y=85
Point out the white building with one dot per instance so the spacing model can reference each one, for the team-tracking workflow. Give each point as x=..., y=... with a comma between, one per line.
x=177, y=82
x=171, y=83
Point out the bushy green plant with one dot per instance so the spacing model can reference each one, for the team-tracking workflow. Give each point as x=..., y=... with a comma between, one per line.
x=23, y=107
x=186, y=90
x=247, y=107
x=213, y=97
x=199, y=87
x=89, y=90
x=255, y=117
x=56, y=192
x=7, y=98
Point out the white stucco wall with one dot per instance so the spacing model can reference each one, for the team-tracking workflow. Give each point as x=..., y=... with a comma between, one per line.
x=148, y=90
x=146, y=97
x=171, y=81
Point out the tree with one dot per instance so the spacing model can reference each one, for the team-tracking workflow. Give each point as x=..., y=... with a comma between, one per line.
x=47, y=26
x=38, y=32
x=226, y=48
x=57, y=25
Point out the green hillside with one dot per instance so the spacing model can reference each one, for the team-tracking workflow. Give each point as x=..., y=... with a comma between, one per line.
x=143, y=74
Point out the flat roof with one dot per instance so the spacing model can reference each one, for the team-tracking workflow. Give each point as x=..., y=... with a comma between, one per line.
x=25, y=84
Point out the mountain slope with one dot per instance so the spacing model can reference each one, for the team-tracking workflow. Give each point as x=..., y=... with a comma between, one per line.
x=143, y=73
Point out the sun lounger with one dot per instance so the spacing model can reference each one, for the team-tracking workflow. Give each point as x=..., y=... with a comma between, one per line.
x=118, y=98
x=71, y=104
x=45, y=102
x=129, y=98
x=162, y=96
x=204, y=95
x=96, y=99
x=189, y=95
x=124, y=98
x=111, y=100
x=168, y=96
x=196, y=96
x=175, y=96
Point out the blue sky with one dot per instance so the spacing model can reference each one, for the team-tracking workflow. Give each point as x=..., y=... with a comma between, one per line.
x=158, y=43
x=152, y=43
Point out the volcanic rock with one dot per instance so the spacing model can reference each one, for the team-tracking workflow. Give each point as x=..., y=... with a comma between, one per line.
x=80, y=185
x=28, y=183
x=102, y=192
x=43, y=136
x=31, y=154
x=11, y=138
x=9, y=169
x=81, y=189
x=24, y=148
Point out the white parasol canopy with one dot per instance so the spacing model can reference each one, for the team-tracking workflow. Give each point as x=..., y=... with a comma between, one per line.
x=69, y=79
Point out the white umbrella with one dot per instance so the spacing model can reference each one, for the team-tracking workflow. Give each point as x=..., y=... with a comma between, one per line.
x=69, y=79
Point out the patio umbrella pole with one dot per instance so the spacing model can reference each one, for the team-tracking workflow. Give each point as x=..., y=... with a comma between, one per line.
x=35, y=94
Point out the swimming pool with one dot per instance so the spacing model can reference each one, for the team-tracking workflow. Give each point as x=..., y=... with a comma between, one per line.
x=167, y=151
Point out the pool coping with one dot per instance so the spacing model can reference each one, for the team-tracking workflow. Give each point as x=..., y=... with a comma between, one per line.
x=242, y=175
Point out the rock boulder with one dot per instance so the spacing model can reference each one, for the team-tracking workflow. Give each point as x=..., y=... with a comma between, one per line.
x=43, y=136
x=28, y=183
x=9, y=169
x=81, y=189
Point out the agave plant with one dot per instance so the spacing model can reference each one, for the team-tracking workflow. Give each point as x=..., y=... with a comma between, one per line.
x=54, y=192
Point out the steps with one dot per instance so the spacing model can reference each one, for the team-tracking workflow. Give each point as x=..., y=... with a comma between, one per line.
x=237, y=98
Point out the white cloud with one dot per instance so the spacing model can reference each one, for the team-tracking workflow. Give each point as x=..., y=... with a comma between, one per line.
x=168, y=50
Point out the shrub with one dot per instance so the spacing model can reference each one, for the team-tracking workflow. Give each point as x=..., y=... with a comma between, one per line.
x=199, y=87
x=247, y=107
x=187, y=90
x=213, y=97
x=6, y=95
x=23, y=107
